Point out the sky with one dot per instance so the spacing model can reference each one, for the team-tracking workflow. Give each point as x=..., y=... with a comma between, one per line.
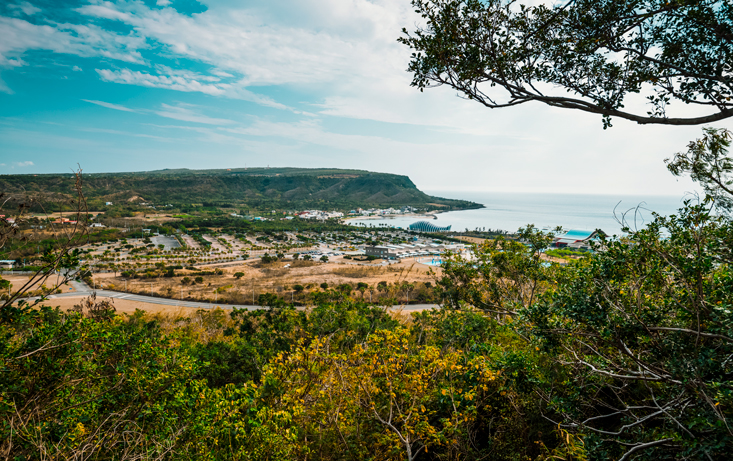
x=112, y=86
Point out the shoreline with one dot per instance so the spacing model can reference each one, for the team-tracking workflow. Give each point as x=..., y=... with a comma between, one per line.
x=416, y=215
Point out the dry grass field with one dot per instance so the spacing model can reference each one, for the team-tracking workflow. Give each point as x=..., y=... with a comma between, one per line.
x=277, y=277
x=472, y=240
x=18, y=281
x=124, y=306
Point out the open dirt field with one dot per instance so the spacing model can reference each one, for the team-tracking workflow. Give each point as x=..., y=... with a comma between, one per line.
x=157, y=217
x=124, y=306
x=471, y=239
x=273, y=278
x=19, y=280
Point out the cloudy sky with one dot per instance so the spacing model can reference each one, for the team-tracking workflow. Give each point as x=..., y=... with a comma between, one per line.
x=144, y=85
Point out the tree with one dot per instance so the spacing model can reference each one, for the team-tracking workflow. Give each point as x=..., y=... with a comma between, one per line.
x=61, y=257
x=708, y=164
x=324, y=258
x=345, y=288
x=387, y=397
x=362, y=287
x=645, y=329
x=507, y=275
x=589, y=55
x=238, y=275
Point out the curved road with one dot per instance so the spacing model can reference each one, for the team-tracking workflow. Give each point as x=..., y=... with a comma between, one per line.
x=83, y=291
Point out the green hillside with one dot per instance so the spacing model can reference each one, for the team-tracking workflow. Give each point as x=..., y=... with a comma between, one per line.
x=255, y=188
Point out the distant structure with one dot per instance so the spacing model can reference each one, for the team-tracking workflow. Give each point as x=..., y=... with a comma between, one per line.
x=6, y=263
x=577, y=239
x=424, y=226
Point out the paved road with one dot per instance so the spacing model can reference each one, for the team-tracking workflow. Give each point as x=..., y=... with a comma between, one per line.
x=84, y=292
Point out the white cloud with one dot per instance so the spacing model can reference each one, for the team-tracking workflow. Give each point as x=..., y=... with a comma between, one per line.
x=19, y=36
x=23, y=164
x=163, y=2
x=340, y=58
x=76, y=69
x=109, y=105
x=187, y=115
x=27, y=8
x=4, y=88
x=177, y=83
x=127, y=133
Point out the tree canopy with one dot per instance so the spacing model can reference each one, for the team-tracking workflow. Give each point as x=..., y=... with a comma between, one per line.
x=590, y=55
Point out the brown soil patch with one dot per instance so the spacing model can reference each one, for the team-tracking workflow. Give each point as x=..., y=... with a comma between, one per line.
x=475, y=240
x=19, y=281
x=124, y=306
x=273, y=278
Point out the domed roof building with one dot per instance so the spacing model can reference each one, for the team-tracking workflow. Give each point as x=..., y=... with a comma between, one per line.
x=424, y=226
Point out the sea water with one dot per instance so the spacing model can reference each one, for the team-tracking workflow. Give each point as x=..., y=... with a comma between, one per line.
x=510, y=211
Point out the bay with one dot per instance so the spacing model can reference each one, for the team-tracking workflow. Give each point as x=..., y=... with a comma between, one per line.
x=510, y=211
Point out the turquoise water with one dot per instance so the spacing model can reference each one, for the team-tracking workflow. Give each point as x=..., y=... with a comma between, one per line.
x=511, y=211
x=430, y=261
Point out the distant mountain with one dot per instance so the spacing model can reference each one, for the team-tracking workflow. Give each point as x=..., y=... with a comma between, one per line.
x=256, y=188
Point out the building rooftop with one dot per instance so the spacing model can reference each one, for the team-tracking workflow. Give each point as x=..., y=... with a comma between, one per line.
x=577, y=234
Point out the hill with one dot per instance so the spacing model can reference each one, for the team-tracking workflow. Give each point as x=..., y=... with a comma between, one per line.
x=254, y=188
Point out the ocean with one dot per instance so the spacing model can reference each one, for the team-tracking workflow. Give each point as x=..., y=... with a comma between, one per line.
x=510, y=211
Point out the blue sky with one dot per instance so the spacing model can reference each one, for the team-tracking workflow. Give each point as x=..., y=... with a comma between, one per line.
x=145, y=85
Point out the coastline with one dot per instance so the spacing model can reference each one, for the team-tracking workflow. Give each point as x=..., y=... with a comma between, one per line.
x=416, y=215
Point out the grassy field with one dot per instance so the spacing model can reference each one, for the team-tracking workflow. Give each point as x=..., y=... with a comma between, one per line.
x=278, y=277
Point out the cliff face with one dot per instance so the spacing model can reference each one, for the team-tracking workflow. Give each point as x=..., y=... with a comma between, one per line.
x=273, y=187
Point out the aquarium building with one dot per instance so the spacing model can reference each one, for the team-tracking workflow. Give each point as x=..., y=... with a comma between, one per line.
x=425, y=226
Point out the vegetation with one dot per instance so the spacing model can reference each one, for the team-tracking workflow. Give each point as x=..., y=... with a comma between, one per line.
x=263, y=189
x=563, y=253
x=588, y=55
x=623, y=354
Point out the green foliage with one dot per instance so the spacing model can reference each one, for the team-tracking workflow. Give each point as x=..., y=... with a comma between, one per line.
x=270, y=300
x=263, y=189
x=637, y=335
x=507, y=275
x=580, y=54
x=646, y=328
x=708, y=164
x=561, y=253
